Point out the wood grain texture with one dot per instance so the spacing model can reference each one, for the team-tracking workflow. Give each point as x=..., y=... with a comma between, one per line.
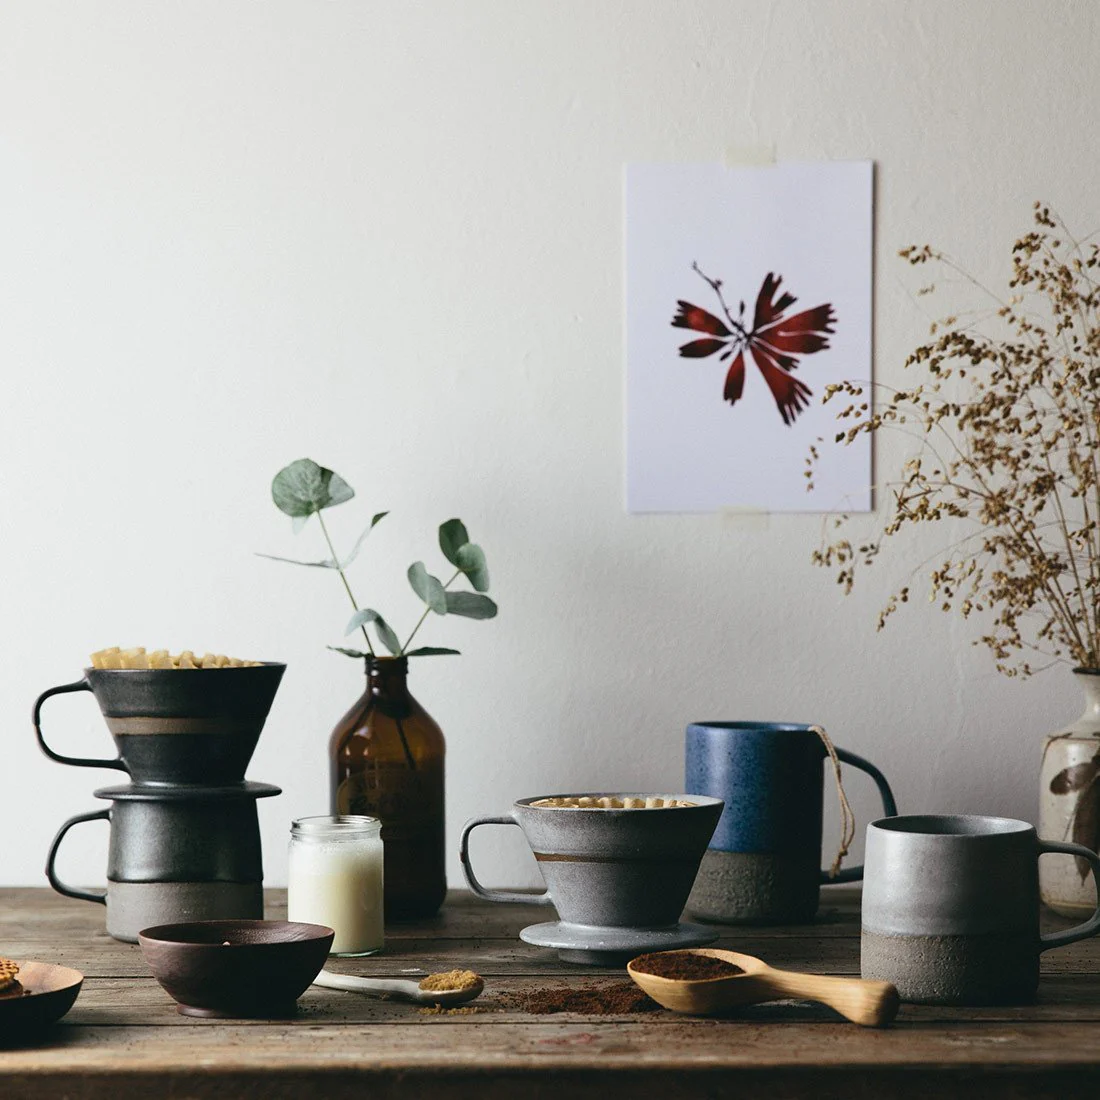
x=123, y=1037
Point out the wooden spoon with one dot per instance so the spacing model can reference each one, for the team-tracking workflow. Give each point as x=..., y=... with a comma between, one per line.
x=870, y=1004
x=400, y=988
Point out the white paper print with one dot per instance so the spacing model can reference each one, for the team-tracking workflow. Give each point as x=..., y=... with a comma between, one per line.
x=748, y=291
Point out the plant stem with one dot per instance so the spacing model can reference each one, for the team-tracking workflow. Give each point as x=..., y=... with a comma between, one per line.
x=347, y=587
x=716, y=286
x=420, y=621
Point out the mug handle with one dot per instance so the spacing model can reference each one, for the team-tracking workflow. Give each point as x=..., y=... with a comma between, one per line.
x=889, y=809
x=76, y=761
x=471, y=878
x=1092, y=925
x=51, y=874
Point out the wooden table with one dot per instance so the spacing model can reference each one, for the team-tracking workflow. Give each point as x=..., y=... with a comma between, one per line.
x=124, y=1038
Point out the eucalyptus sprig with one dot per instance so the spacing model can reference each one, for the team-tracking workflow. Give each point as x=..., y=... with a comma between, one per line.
x=304, y=489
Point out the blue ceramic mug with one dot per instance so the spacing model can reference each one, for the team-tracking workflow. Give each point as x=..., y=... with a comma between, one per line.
x=763, y=862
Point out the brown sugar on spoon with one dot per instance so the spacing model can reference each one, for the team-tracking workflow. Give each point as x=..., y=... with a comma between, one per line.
x=450, y=980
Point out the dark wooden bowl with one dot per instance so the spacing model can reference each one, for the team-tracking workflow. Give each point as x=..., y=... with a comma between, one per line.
x=46, y=993
x=236, y=968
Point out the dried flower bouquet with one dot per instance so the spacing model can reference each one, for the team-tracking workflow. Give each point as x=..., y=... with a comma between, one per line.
x=1006, y=416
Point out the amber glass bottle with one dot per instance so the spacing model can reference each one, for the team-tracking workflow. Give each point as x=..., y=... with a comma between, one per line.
x=387, y=762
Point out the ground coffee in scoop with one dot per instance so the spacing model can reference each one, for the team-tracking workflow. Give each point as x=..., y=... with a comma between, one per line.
x=684, y=966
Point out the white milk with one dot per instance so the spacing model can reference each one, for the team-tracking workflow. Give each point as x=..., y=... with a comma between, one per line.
x=335, y=878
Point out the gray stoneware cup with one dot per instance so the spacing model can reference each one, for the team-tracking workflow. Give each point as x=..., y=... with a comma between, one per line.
x=608, y=868
x=951, y=908
x=175, y=854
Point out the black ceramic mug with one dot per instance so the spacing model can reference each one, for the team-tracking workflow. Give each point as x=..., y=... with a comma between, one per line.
x=180, y=853
x=196, y=726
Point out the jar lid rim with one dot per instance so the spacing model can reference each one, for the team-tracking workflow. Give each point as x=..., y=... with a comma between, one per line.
x=335, y=824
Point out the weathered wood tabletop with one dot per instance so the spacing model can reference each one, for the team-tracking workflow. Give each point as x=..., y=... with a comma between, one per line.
x=124, y=1038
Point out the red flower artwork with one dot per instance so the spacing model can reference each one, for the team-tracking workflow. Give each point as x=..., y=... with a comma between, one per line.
x=774, y=341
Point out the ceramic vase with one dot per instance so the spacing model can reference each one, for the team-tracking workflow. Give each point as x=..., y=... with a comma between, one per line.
x=1069, y=803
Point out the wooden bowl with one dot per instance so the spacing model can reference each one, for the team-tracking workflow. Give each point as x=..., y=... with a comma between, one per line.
x=236, y=968
x=46, y=993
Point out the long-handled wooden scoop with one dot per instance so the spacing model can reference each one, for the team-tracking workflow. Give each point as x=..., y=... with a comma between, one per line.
x=870, y=1004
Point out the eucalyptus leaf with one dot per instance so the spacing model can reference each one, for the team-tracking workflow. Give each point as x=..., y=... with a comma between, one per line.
x=471, y=560
x=428, y=588
x=452, y=537
x=385, y=633
x=354, y=552
x=347, y=652
x=328, y=563
x=304, y=487
x=431, y=651
x=470, y=605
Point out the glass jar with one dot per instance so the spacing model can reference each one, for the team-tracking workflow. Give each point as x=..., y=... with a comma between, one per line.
x=335, y=879
x=387, y=761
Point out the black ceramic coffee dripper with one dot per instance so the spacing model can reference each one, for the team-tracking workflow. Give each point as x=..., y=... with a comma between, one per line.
x=176, y=726
x=185, y=840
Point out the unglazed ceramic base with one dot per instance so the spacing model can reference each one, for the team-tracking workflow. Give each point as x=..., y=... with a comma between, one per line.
x=993, y=969
x=755, y=888
x=132, y=906
x=594, y=946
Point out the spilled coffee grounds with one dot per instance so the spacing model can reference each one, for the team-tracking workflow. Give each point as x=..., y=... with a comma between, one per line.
x=685, y=966
x=613, y=999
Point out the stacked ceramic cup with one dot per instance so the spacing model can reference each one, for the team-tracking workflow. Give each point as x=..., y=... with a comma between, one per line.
x=185, y=837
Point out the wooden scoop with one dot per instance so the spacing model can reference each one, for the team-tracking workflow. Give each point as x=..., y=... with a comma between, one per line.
x=870, y=1004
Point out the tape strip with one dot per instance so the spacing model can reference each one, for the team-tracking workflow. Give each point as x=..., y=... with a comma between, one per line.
x=748, y=156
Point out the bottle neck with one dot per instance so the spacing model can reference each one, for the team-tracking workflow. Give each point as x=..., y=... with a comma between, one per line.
x=1089, y=679
x=387, y=678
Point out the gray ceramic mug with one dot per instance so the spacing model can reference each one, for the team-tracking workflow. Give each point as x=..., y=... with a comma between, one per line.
x=951, y=908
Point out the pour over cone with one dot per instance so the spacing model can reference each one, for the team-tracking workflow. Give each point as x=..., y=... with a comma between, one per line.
x=194, y=726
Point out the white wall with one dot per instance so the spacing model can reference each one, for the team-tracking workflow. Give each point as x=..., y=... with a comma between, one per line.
x=388, y=236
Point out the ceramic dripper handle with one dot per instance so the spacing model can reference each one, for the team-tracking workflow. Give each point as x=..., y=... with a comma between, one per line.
x=51, y=874
x=471, y=878
x=1092, y=925
x=76, y=761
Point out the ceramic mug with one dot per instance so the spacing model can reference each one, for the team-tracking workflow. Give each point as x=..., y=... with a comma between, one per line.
x=609, y=868
x=196, y=726
x=177, y=854
x=763, y=864
x=951, y=908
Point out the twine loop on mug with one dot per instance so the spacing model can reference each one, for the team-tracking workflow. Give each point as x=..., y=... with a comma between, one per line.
x=847, y=817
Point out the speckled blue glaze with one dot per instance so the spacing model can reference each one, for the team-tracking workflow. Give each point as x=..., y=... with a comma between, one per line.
x=770, y=776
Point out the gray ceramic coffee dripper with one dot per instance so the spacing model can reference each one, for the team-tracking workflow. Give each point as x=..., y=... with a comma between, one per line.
x=618, y=878
x=950, y=909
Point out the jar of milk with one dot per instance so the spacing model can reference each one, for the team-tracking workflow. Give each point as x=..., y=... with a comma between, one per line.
x=335, y=879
